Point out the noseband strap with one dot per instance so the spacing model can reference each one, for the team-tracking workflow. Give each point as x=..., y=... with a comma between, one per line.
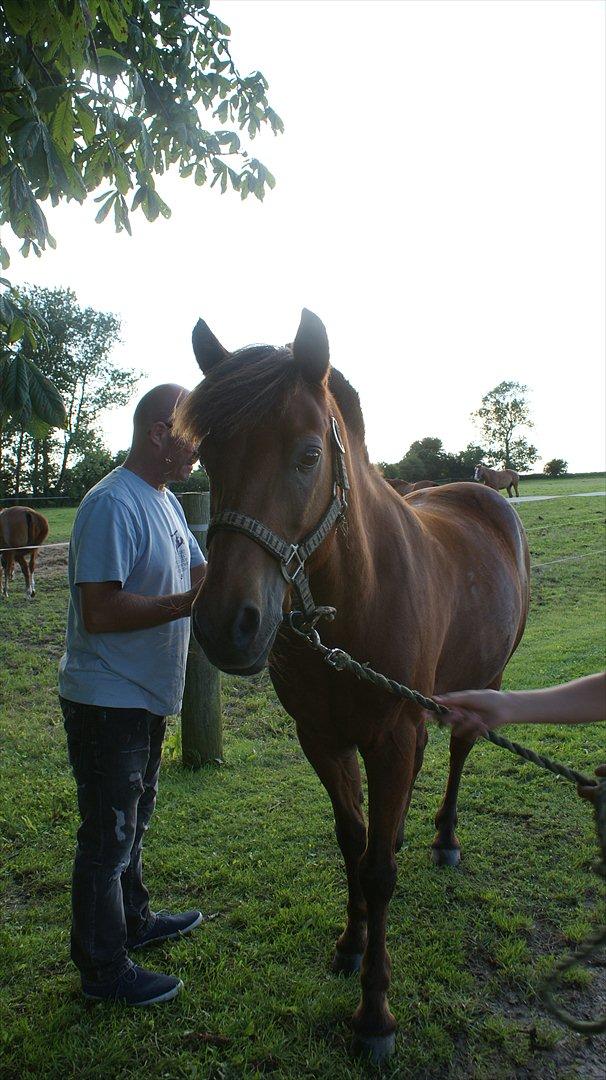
x=292, y=557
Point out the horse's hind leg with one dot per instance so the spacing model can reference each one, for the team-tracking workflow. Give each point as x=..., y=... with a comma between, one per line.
x=8, y=566
x=32, y=567
x=340, y=775
x=446, y=849
x=21, y=559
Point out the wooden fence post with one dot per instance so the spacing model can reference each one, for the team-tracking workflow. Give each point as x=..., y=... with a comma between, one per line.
x=201, y=725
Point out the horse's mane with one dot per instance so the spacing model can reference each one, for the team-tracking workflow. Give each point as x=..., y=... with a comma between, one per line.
x=247, y=386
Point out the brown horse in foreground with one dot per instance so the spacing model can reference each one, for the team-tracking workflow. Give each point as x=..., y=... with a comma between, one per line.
x=431, y=590
x=498, y=479
x=404, y=487
x=21, y=532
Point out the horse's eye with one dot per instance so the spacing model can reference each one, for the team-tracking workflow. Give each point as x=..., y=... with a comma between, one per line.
x=309, y=458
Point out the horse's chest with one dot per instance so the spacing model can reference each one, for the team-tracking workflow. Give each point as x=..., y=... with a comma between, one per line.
x=328, y=703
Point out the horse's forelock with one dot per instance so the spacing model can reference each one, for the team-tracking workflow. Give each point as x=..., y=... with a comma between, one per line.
x=241, y=390
x=238, y=393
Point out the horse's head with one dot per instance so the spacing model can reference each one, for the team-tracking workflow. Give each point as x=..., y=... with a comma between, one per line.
x=478, y=472
x=262, y=417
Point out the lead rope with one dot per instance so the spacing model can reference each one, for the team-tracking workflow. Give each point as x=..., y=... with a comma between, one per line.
x=340, y=660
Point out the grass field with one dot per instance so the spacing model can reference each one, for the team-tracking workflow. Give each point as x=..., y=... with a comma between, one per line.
x=252, y=844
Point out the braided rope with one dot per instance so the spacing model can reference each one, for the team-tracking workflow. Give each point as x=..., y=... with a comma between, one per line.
x=342, y=661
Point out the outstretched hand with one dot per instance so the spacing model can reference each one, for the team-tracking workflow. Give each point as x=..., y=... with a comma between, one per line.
x=473, y=712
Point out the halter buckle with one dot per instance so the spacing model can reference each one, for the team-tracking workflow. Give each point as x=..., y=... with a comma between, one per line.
x=284, y=566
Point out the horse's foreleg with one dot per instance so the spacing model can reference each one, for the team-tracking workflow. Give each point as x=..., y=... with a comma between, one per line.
x=419, y=752
x=340, y=775
x=389, y=767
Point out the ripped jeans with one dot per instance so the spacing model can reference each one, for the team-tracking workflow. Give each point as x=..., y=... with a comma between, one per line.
x=115, y=757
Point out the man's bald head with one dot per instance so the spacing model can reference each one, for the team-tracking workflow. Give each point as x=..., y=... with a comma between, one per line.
x=157, y=405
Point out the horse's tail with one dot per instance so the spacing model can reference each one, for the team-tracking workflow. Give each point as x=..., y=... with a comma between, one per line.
x=37, y=528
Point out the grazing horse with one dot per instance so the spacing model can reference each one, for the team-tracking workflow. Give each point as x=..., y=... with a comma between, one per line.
x=497, y=479
x=21, y=532
x=404, y=487
x=431, y=590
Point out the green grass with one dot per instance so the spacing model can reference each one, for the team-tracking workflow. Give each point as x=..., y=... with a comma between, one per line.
x=562, y=486
x=60, y=520
x=252, y=844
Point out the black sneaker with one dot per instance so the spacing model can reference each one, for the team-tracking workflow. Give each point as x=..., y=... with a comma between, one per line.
x=166, y=927
x=135, y=987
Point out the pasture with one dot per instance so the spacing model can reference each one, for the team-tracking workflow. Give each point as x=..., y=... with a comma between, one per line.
x=252, y=845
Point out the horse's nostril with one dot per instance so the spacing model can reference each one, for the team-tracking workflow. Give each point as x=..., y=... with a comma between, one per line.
x=246, y=625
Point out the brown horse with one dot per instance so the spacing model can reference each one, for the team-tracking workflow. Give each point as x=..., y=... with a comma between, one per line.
x=22, y=530
x=431, y=590
x=498, y=479
x=404, y=487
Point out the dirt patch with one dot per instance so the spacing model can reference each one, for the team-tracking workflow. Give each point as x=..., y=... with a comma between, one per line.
x=572, y=1055
x=52, y=560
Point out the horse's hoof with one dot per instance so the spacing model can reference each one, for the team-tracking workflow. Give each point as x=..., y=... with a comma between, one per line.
x=346, y=963
x=376, y=1048
x=446, y=856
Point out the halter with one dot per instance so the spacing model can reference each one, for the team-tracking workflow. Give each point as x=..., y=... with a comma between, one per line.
x=292, y=557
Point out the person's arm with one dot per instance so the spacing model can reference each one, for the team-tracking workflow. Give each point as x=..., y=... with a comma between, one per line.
x=473, y=712
x=106, y=608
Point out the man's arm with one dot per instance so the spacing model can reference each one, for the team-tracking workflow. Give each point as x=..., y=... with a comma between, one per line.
x=106, y=608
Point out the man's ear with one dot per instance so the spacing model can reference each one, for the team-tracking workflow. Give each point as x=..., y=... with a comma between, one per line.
x=207, y=350
x=310, y=347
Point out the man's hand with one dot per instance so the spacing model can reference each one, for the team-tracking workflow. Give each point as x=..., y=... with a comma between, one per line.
x=107, y=608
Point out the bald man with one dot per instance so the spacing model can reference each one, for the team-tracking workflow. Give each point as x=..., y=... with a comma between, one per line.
x=134, y=570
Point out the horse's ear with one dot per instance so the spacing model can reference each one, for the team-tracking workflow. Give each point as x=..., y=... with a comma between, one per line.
x=310, y=347
x=207, y=350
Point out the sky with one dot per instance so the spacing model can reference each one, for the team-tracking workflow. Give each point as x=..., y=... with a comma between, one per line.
x=439, y=204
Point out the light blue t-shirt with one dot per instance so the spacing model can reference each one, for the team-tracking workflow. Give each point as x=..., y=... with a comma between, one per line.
x=128, y=531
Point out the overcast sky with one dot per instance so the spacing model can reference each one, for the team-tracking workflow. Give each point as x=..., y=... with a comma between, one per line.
x=439, y=203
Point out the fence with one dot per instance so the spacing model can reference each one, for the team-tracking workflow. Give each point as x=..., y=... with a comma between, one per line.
x=201, y=722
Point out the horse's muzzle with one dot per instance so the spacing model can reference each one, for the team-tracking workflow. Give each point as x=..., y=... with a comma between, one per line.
x=240, y=643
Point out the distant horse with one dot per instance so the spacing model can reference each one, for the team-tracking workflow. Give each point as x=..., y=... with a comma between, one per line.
x=495, y=479
x=21, y=532
x=431, y=590
x=403, y=487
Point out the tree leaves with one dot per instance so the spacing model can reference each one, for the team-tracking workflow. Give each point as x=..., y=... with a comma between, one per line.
x=46, y=402
x=505, y=409
x=62, y=124
x=113, y=93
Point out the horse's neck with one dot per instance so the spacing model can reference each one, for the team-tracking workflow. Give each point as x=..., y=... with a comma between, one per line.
x=348, y=577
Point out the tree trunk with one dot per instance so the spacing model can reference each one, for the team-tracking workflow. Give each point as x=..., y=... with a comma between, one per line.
x=19, y=462
x=35, y=479
x=45, y=477
x=70, y=438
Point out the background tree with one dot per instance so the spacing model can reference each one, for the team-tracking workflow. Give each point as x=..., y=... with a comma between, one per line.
x=556, y=467
x=426, y=459
x=504, y=410
x=107, y=94
x=76, y=355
